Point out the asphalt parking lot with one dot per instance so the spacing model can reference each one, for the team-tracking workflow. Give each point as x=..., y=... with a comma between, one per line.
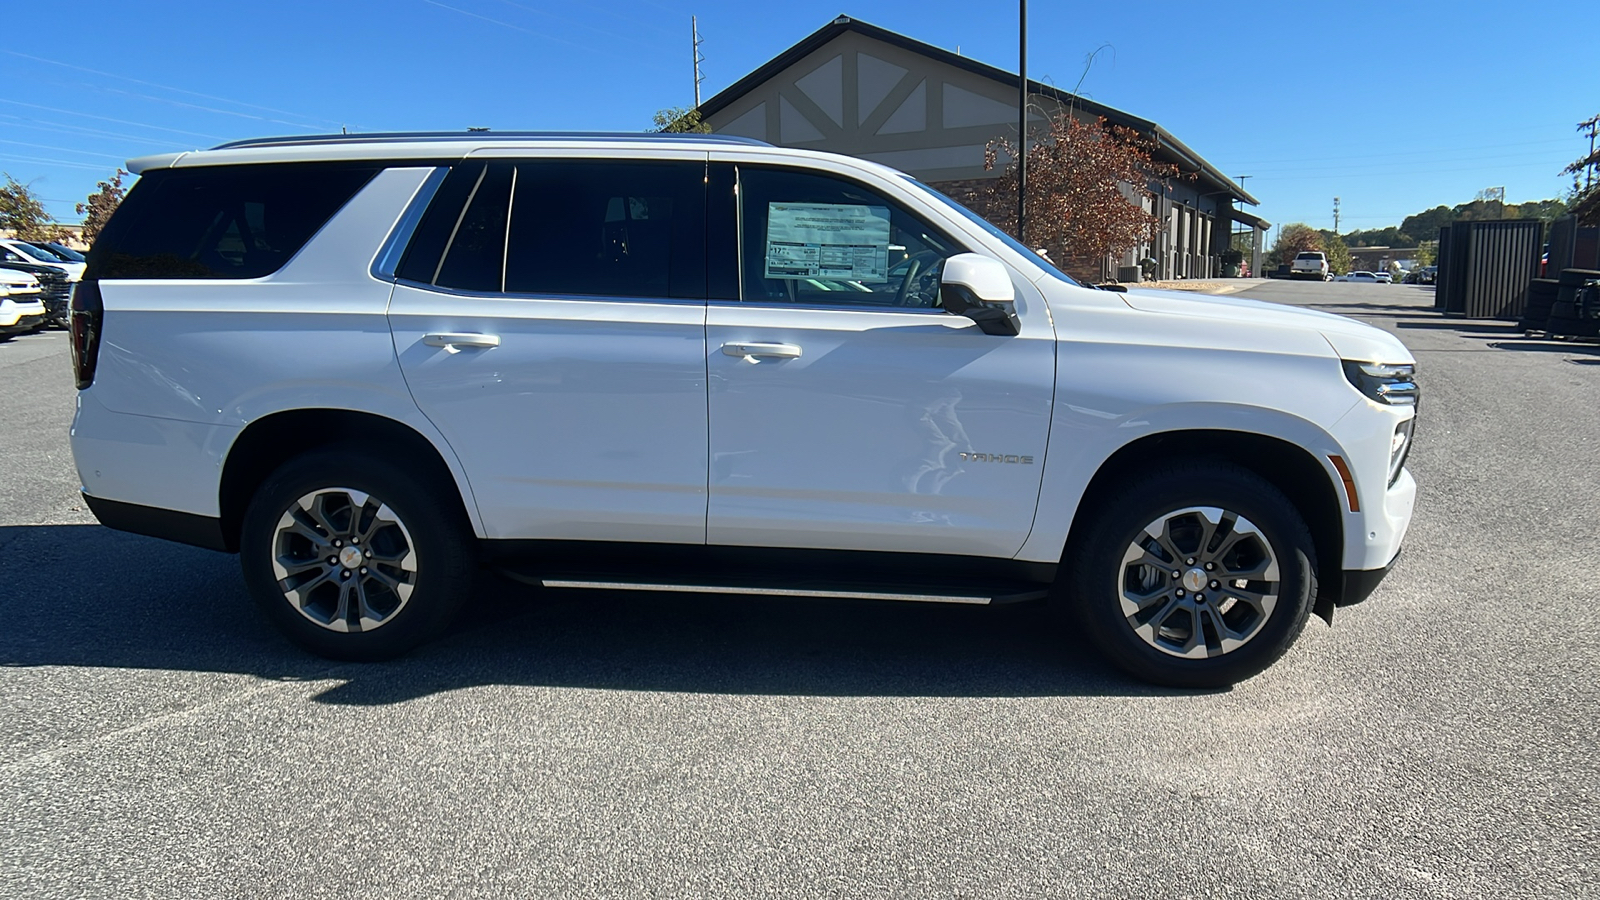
x=158, y=739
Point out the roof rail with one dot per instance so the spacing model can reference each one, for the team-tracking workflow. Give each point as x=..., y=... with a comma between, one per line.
x=396, y=137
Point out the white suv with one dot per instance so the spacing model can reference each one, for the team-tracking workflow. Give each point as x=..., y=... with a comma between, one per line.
x=371, y=365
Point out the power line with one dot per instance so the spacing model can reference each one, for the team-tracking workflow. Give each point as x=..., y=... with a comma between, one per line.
x=75, y=130
x=164, y=87
x=69, y=112
x=58, y=162
x=1419, y=152
x=62, y=149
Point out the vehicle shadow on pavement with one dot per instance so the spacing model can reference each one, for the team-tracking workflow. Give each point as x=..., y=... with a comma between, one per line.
x=1481, y=327
x=83, y=595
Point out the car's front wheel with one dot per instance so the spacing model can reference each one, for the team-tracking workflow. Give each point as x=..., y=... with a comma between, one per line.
x=354, y=557
x=1196, y=576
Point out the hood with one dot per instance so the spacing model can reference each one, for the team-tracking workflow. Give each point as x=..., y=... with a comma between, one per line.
x=17, y=279
x=1350, y=339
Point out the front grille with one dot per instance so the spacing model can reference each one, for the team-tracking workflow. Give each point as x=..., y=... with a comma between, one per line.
x=56, y=287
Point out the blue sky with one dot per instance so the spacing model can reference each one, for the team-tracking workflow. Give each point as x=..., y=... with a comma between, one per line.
x=1393, y=107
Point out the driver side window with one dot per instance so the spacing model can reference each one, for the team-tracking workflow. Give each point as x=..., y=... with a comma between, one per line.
x=815, y=240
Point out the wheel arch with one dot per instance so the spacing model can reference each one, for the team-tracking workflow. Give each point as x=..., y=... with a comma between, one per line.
x=270, y=441
x=1302, y=478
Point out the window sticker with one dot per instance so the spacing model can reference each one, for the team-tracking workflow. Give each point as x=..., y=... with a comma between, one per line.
x=828, y=240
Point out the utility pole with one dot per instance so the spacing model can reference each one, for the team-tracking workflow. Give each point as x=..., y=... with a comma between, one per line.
x=1336, y=216
x=694, y=33
x=1022, y=121
x=1588, y=175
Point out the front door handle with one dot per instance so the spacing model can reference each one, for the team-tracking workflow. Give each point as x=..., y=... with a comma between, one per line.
x=755, y=352
x=455, y=342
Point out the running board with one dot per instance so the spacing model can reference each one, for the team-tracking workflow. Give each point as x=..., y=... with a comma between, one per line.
x=974, y=597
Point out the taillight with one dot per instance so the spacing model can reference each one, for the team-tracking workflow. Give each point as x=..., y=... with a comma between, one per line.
x=87, y=312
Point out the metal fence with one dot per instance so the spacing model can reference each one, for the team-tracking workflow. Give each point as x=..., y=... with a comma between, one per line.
x=1485, y=267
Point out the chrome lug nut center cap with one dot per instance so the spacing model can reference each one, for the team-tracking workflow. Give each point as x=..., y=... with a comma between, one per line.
x=350, y=557
x=1195, y=579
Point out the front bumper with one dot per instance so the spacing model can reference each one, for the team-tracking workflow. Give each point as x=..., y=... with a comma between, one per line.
x=23, y=324
x=1358, y=584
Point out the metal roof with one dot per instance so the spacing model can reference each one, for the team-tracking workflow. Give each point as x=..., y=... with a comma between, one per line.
x=1186, y=159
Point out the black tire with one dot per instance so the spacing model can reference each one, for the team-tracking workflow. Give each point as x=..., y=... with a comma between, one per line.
x=1099, y=576
x=426, y=520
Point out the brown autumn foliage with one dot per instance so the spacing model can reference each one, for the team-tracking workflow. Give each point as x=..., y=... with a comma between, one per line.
x=1087, y=182
x=100, y=205
x=1293, y=239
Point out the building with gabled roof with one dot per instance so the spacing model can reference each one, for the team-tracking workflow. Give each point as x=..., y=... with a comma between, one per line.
x=854, y=88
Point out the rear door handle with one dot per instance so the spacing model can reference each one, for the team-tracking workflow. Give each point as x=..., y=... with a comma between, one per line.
x=455, y=342
x=753, y=352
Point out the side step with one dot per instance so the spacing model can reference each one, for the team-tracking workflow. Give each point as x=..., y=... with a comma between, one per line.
x=976, y=595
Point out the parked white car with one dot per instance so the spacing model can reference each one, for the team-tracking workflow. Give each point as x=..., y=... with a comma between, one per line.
x=691, y=363
x=1365, y=277
x=24, y=252
x=19, y=313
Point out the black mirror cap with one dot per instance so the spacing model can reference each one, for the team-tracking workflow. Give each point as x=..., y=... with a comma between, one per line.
x=993, y=317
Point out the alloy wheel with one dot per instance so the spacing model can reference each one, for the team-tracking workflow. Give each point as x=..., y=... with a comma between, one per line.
x=1198, y=582
x=344, y=560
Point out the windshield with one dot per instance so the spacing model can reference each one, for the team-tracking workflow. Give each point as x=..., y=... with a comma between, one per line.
x=65, y=252
x=1315, y=256
x=989, y=227
x=36, y=253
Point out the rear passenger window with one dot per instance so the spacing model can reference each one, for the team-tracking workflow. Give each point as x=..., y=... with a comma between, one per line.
x=223, y=221
x=616, y=229
x=611, y=229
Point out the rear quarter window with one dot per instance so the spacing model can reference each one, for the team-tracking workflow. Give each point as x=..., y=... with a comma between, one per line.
x=222, y=221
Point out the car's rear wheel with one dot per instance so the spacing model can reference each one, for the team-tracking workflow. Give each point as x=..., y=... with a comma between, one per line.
x=1196, y=576
x=354, y=557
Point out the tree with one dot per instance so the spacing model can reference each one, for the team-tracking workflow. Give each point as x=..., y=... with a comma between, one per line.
x=1427, y=253
x=100, y=205
x=1338, y=254
x=22, y=213
x=1293, y=240
x=680, y=120
x=1087, y=187
x=1585, y=200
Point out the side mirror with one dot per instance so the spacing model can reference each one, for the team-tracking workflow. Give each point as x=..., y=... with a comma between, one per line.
x=979, y=288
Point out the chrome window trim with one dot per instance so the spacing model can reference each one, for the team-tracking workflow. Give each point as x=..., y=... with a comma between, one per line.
x=394, y=247
x=566, y=298
x=832, y=307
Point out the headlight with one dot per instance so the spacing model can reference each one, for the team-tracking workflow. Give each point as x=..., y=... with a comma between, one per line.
x=1394, y=385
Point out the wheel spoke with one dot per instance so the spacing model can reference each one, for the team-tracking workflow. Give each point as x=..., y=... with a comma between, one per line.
x=289, y=567
x=1261, y=601
x=302, y=592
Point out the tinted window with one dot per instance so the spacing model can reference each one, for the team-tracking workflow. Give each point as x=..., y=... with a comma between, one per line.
x=224, y=221
x=618, y=229
x=474, y=260
x=421, y=260
x=815, y=239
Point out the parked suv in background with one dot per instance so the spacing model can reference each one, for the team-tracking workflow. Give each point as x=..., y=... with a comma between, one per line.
x=370, y=364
